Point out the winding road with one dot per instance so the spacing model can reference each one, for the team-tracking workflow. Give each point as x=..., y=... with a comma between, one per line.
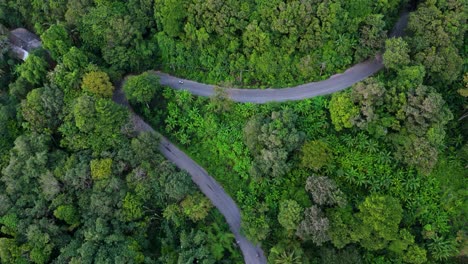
x=335, y=83
x=253, y=254
x=221, y=200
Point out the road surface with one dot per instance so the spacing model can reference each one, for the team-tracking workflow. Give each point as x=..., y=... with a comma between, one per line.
x=335, y=83
x=220, y=199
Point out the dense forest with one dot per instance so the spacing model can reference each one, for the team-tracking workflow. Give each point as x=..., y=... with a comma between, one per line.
x=376, y=173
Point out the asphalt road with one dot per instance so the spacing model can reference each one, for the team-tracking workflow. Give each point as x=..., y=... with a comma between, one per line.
x=335, y=83
x=207, y=185
x=253, y=254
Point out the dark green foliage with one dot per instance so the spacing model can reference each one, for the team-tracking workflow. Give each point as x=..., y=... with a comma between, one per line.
x=436, y=34
x=270, y=43
x=372, y=36
x=316, y=154
x=42, y=109
x=348, y=255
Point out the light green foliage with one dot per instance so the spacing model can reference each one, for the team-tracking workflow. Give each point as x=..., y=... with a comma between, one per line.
x=10, y=252
x=131, y=208
x=341, y=220
x=68, y=214
x=290, y=214
x=410, y=76
x=316, y=154
x=379, y=218
x=373, y=227
x=34, y=69
x=171, y=13
x=396, y=53
x=68, y=74
x=101, y=169
x=98, y=83
x=415, y=254
x=55, y=39
x=464, y=91
x=196, y=206
x=342, y=111
x=9, y=224
x=141, y=88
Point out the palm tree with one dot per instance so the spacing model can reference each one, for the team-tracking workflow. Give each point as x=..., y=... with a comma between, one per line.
x=288, y=257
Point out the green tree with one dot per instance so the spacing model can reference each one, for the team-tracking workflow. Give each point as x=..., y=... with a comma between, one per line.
x=379, y=218
x=141, y=88
x=415, y=254
x=19, y=88
x=42, y=109
x=314, y=227
x=396, y=53
x=68, y=214
x=369, y=95
x=34, y=69
x=56, y=40
x=290, y=214
x=93, y=123
x=196, y=206
x=316, y=154
x=342, y=110
x=271, y=139
x=324, y=191
x=101, y=169
x=98, y=83
x=171, y=13
x=372, y=37
x=132, y=207
x=255, y=224
x=348, y=255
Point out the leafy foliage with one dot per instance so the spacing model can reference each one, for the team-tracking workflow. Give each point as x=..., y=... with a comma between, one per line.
x=141, y=88
x=98, y=83
x=290, y=214
x=271, y=139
